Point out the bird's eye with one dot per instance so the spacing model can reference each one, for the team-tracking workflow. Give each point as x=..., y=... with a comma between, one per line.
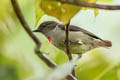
x=44, y=25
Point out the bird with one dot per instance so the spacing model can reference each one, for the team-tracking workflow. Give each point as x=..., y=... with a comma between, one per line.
x=80, y=40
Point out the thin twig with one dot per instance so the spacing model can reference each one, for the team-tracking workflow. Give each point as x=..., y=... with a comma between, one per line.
x=91, y=5
x=35, y=39
x=67, y=42
x=67, y=46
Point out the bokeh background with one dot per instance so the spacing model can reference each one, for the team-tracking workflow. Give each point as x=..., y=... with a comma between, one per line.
x=19, y=62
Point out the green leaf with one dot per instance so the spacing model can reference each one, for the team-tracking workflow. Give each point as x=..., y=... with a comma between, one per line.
x=38, y=11
x=10, y=69
x=7, y=23
x=93, y=67
x=62, y=11
x=112, y=73
x=96, y=12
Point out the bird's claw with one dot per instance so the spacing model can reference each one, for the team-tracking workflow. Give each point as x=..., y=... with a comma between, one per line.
x=67, y=41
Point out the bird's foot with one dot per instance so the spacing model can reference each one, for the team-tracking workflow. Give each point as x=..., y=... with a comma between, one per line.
x=67, y=42
x=79, y=56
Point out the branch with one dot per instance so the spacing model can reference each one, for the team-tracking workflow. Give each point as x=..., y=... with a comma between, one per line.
x=29, y=31
x=35, y=39
x=91, y=5
x=67, y=42
x=67, y=46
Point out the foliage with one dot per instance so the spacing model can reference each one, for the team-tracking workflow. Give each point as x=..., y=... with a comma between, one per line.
x=62, y=11
x=17, y=58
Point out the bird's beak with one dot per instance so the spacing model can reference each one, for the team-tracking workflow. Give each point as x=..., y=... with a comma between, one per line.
x=35, y=30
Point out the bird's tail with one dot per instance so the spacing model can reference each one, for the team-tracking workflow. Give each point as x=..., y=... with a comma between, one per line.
x=105, y=43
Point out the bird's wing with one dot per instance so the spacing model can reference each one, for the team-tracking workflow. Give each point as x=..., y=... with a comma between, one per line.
x=75, y=28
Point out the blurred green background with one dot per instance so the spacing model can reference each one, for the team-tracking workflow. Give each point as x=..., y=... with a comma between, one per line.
x=19, y=62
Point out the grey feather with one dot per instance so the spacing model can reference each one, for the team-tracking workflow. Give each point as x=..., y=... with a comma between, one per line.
x=75, y=28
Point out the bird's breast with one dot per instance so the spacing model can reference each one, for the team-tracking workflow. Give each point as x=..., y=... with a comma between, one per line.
x=57, y=38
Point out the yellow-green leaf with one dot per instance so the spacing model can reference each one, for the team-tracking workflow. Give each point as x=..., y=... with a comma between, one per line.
x=96, y=12
x=38, y=11
x=62, y=11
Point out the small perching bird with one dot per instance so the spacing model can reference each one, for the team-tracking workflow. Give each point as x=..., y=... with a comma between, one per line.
x=80, y=40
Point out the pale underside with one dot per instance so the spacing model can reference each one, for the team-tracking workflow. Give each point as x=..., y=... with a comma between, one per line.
x=79, y=43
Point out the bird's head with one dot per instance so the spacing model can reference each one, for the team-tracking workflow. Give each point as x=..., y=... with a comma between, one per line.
x=46, y=27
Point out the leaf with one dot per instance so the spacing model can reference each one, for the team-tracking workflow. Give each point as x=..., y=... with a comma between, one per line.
x=39, y=12
x=7, y=23
x=9, y=28
x=96, y=12
x=112, y=73
x=92, y=65
x=10, y=69
x=62, y=11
